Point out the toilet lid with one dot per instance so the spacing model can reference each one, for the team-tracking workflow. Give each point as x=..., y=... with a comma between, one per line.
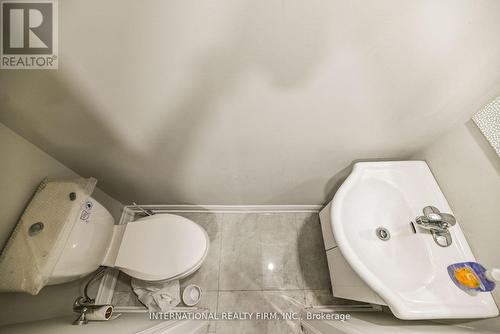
x=161, y=247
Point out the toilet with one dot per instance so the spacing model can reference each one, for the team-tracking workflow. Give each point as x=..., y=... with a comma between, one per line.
x=161, y=247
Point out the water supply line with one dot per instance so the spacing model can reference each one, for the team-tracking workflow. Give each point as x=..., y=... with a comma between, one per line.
x=82, y=304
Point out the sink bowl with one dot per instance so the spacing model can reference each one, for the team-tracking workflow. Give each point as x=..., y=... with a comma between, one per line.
x=408, y=270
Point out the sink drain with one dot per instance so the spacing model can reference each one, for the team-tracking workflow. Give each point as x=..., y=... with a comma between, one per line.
x=383, y=233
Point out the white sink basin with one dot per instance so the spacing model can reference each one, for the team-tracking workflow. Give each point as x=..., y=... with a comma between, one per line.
x=408, y=271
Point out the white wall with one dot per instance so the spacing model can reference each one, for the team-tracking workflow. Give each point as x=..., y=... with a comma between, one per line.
x=22, y=168
x=250, y=102
x=468, y=171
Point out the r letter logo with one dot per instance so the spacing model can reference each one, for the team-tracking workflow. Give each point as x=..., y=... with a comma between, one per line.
x=29, y=35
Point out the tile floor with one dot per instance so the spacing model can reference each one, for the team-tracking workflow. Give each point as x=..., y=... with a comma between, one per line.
x=257, y=262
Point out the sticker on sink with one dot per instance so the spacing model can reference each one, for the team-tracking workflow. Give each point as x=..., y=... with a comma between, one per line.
x=85, y=214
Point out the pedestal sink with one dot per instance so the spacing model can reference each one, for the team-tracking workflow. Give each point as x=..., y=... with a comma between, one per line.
x=371, y=219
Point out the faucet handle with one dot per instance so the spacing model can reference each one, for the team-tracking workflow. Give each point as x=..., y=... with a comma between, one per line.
x=432, y=214
x=435, y=216
x=430, y=209
x=448, y=219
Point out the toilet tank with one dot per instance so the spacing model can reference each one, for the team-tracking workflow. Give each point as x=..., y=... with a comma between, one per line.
x=87, y=244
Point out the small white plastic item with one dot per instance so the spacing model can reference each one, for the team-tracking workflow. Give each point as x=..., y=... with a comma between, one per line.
x=493, y=274
x=191, y=295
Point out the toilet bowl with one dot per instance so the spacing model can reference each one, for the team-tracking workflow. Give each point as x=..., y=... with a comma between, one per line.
x=160, y=247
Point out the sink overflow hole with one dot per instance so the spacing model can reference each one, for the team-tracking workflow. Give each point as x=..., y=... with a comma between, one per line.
x=383, y=233
x=413, y=227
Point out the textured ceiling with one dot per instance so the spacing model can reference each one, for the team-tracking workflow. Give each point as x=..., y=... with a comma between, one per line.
x=251, y=102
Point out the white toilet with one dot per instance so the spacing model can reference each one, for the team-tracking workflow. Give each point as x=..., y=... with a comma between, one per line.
x=160, y=247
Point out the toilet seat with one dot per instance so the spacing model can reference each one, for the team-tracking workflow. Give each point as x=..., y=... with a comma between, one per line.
x=162, y=247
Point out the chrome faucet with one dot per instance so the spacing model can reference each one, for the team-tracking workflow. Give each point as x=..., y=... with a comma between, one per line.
x=438, y=224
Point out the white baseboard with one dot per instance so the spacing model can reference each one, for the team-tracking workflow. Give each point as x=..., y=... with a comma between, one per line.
x=226, y=208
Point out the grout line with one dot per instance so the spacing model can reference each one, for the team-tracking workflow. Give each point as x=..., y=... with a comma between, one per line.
x=296, y=225
x=258, y=290
x=270, y=290
x=222, y=218
x=257, y=226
